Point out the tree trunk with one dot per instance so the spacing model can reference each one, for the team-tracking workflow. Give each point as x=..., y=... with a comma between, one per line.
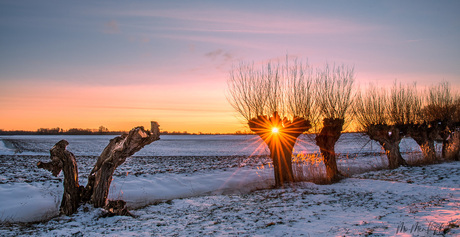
x=453, y=147
x=281, y=155
x=389, y=138
x=113, y=156
x=444, y=134
x=425, y=134
x=61, y=159
x=100, y=177
x=280, y=143
x=394, y=155
x=326, y=139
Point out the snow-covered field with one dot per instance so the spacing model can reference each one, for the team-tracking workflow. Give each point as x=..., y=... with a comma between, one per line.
x=230, y=195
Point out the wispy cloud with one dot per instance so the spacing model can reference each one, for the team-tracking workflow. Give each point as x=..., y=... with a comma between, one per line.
x=215, y=39
x=111, y=27
x=227, y=21
x=219, y=54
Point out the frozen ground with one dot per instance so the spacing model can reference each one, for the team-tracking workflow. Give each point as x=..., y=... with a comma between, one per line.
x=228, y=200
x=230, y=195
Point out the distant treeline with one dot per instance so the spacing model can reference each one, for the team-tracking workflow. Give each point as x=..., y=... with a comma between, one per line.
x=60, y=131
x=101, y=131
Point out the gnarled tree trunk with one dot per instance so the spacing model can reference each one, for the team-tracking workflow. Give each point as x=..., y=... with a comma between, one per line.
x=389, y=138
x=280, y=142
x=99, y=180
x=425, y=134
x=444, y=133
x=115, y=154
x=61, y=159
x=326, y=139
x=453, y=146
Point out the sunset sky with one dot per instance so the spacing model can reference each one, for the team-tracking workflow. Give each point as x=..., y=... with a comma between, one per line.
x=121, y=64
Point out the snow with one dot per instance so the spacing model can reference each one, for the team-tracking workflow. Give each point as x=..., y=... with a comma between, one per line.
x=229, y=196
x=238, y=201
x=25, y=202
x=151, y=189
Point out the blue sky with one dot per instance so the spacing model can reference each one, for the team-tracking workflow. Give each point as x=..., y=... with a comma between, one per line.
x=122, y=63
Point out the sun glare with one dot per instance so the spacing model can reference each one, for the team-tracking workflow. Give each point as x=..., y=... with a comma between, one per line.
x=275, y=130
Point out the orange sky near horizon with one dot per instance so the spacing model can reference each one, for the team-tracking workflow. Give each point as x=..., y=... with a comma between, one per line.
x=72, y=65
x=122, y=108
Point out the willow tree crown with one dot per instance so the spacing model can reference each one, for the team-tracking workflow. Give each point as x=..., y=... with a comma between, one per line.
x=272, y=88
x=335, y=91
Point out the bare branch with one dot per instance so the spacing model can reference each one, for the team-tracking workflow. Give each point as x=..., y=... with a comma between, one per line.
x=405, y=104
x=286, y=90
x=335, y=91
x=371, y=107
x=440, y=103
x=300, y=91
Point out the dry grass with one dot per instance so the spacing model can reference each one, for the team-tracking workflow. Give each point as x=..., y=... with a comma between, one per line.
x=309, y=167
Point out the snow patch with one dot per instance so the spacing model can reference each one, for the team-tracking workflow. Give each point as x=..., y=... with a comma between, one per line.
x=141, y=191
x=4, y=150
x=26, y=203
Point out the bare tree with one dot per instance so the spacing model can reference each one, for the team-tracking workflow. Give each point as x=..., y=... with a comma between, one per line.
x=387, y=119
x=377, y=120
x=335, y=95
x=432, y=118
x=275, y=101
x=97, y=189
x=440, y=112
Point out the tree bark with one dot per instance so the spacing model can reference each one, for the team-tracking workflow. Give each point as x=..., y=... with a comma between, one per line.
x=280, y=143
x=113, y=156
x=444, y=134
x=326, y=140
x=453, y=147
x=100, y=177
x=61, y=159
x=389, y=138
x=425, y=135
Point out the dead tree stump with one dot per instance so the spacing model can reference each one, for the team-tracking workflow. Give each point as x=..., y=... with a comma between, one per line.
x=113, y=156
x=61, y=159
x=97, y=189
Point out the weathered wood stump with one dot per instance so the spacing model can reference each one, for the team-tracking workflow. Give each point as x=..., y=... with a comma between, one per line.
x=61, y=159
x=97, y=189
x=113, y=156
